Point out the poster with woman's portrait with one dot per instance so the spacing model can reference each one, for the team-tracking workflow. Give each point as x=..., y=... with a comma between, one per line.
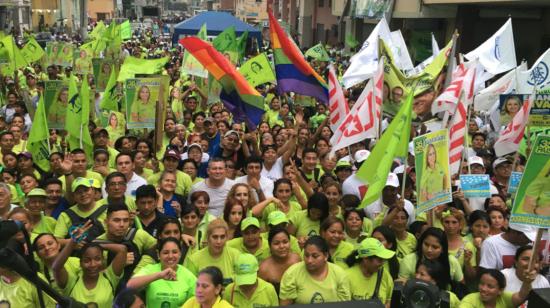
x=102, y=71
x=83, y=64
x=510, y=105
x=142, y=96
x=56, y=100
x=532, y=202
x=433, y=180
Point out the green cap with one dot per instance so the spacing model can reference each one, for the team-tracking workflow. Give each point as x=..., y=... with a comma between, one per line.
x=81, y=182
x=341, y=164
x=276, y=218
x=96, y=183
x=246, y=269
x=372, y=247
x=37, y=192
x=250, y=221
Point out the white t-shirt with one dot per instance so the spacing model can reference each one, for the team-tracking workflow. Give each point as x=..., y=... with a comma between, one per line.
x=497, y=253
x=132, y=185
x=353, y=186
x=265, y=183
x=378, y=207
x=513, y=284
x=276, y=171
x=217, y=195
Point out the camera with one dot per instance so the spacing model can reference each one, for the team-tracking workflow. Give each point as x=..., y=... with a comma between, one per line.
x=419, y=294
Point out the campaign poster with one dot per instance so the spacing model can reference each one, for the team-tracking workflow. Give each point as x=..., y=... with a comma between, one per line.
x=102, y=71
x=83, y=63
x=510, y=105
x=56, y=100
x=432, y=170
x=372, y=9
x=540, y=111
x=65, y=55
x=52, y=51
x=142, y=96
x=513, y=183
x=475, y=185
x=532, y=202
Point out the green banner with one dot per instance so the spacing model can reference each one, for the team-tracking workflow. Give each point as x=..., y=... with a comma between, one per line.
x=318, y=52
x=258, y=70
x=32, y=51
x=142, y=96
x=56, y=100
x=532, y=202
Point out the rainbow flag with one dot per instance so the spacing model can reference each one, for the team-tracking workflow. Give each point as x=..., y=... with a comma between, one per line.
x=293, y=72
x=239, y=97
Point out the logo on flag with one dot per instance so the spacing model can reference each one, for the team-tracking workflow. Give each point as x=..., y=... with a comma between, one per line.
x=539, y=74
x=497, y=48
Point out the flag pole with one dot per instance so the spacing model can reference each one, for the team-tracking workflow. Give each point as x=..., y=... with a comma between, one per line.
x=466, y=147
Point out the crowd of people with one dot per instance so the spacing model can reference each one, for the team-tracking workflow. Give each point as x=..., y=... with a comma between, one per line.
x=227, y=215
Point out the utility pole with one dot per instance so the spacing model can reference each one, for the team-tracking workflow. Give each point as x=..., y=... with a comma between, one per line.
x=83, y=19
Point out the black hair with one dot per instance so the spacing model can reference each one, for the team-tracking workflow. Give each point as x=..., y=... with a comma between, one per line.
x=477, y=215
x=87, y=246
x=113, y=175
x=397, y=209
x=350, y=210
x=162, y=242
x=318, y=201
x=416, y=227
x=126, y=298
x=254, y=160
x=197, y=114
x=318, y=242
x=145, y=191
x=269, y=147
x=39, y=236
x=189, y=160
x=443, y=257
x=115, y=207
x=390, y=237
x=215, y=274
x=275, y=231
x=132, y=155
x=101, y=151
x=496, y=274
x=350, y=201
x=167, y=221
x=190, y=208
x=280, y=182
x=435, y=270
x=78, y=151
x=309, y=150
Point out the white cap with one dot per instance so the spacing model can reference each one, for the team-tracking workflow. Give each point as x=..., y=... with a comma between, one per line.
x=399, y=169
x=475, y=160
x=392, y=180
x=499, y=161
x=529, y=231
x=361, y=155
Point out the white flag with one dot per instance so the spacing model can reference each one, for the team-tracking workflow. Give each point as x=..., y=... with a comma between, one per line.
x=337, y=103
x=536, y=75
x=365, y=62
x=400, y=52
x=506, y=84
x=363, y=120
x=462, y=83
x=509, y=139
x=498, y=53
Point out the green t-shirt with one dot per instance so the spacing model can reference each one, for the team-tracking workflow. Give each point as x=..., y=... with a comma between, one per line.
x=225, y=262
x=193, y=303
x=473, y=300
x=72, y=264
x=406, y=246
x=45, y=225
x=264, y=296
x=183, y=182
x=261, y=253
x=304, y=225
x=142, y=240
x=298, y=285
x=142, y=112
x=128, y=200
x=407, y=267
x=540, y=189
x=459, y=253
x=343, y=250
x=176, y=293
x=271, y=207
x=64, y=222
x=101, y=294
x=362, y=287
x=432, y=180
x=22, y=294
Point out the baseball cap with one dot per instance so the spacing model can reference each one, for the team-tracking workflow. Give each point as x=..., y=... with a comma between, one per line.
x=529, y=231
x=229, y=132
x=500, y=161
x=172, y=153
x=392, y=180
x=484, y=152
x=25, y=154
x=37, y=192
x=372, y=247
x=475, y=160
x=246, y=269
x=250, y=221
x=96, y=183
x=361, y=155
x=399, y=169
x=100, y=131
x=276, y=217
x=194, y=145
x=342, y=164
x=81, y=182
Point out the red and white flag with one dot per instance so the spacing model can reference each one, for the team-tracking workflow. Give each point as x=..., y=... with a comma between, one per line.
x=457, y=128
x=363, y=120
x=509, y=139
x=463, y=78
x=337, y=103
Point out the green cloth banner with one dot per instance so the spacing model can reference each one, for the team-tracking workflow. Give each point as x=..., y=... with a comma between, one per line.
x=258, y=70
x=318, y=52
x=133, y=66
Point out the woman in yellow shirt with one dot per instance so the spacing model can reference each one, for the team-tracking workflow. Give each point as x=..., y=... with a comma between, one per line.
x=208, y=290
x=332, y=231
x=387, y=237
x=434, y=179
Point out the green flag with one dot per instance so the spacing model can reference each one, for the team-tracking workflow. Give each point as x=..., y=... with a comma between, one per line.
x=258, y=70
x=37, y=143
x=125, y=30
x=318, y=52
x=108, y=101
x=78, y=116
x=192, y=66
x=226, y=43
x=10, y=56
x=99, y=30
x=32, y=51
x=351, y=41
x=133, y=66
x=241, y=44
x=393, y=143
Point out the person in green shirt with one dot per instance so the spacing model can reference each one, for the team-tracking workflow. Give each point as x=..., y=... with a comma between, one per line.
x=217, y=253
x=35, y=204
x=306, y=223
x=208, y=290
x=251, y=240
x=366, y=269
x=314, y=280
x=143, y=109
x=406, y=242
x=16, y=291
x=57, y=111
x=165, y=281
x=93, y=283
x=491, y=291
x=434, y=179
x=332, y=230
x=248, y=290
x=537, y=194
x=431, y=271
x=387, y=237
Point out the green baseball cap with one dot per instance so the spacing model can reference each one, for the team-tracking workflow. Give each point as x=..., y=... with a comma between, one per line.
x=250, y=221
x=372, y=247
x=342, y=164
x=246, y=269
x=96, y=183
x=81, y=182
x=276, y=218
x=37, y=192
